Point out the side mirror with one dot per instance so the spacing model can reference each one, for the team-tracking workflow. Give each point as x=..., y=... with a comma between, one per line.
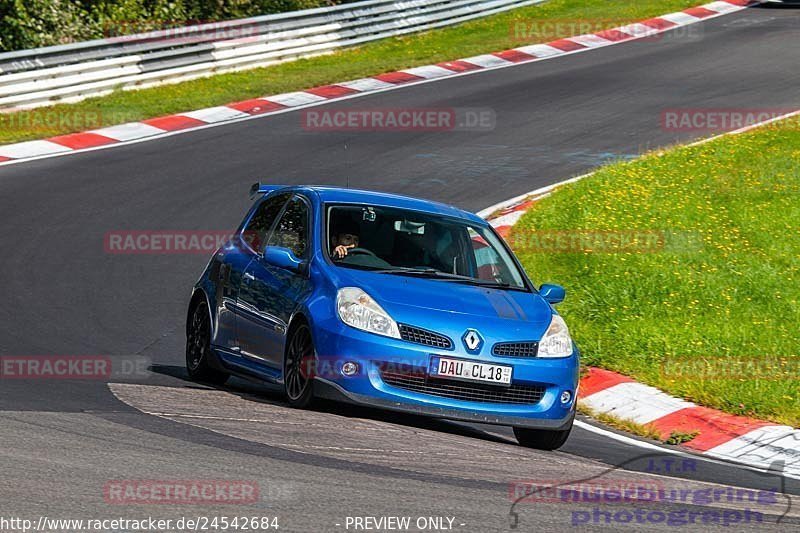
x=282, y=258
x=553, y=294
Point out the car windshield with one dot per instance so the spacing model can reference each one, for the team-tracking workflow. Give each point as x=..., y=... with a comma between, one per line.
x=409, y=243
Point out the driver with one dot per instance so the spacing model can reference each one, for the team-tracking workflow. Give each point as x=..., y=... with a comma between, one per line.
x=344, y=240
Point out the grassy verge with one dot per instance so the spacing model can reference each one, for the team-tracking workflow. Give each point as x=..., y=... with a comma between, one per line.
x=647, y=431
x=708, y=310
x=553, y=20
x=642, y=430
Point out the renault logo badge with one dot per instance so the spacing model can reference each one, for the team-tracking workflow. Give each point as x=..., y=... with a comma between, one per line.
x=472, y=341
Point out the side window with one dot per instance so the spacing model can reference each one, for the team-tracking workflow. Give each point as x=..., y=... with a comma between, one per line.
x=255, y=234
x=291, y=230
x=486, y=259
x=492, y=260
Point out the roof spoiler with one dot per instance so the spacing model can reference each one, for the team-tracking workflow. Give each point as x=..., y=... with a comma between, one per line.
x=259, y=188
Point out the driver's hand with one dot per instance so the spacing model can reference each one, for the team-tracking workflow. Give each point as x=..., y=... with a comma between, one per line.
x=341, y=251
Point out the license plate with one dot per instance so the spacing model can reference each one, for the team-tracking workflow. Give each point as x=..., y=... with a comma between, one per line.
x=445, y=367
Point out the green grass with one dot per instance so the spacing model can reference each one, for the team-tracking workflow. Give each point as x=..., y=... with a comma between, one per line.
x=555, y=19
x=678, y=437
x=642, y=430
x=647, y=431
x=712, y=318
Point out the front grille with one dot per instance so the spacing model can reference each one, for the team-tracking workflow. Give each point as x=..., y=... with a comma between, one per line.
x=418, y=381
x=423, y=336
x=516, y=349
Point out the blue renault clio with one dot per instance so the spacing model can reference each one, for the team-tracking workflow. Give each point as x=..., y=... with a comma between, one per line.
x=385, y=301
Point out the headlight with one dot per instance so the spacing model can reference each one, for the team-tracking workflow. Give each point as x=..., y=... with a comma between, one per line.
x=357, y=309
x=556, y=341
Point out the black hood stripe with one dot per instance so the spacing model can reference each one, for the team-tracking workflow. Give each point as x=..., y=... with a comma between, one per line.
x=501, y=305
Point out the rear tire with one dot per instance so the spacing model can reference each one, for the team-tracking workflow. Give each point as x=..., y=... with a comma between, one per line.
x=198, y=347
x=542, y=439
x=298, y=384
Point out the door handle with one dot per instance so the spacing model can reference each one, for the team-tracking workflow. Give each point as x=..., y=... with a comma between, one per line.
x=248, y=277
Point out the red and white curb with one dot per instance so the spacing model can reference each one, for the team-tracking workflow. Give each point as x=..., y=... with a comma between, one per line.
x=248, y=109
x=756, y=443
x=721, y=435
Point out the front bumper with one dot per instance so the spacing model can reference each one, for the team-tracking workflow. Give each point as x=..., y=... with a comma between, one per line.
x=337, y=343
x=332, y=391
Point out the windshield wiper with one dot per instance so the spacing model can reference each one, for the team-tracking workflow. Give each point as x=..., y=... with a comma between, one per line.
x=482, y=282
x=409, y=270
x=432, y=273
x=424, y=272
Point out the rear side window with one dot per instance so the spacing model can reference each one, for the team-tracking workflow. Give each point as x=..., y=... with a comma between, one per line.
x=291, y=231
x=255, y=234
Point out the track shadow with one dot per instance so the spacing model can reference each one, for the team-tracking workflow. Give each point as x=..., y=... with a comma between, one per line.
x=771, y=5
x=264, y=393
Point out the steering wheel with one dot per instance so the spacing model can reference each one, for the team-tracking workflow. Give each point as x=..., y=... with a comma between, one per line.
x=360, y=251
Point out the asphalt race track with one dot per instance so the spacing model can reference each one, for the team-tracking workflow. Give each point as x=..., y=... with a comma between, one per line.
x=61, y=442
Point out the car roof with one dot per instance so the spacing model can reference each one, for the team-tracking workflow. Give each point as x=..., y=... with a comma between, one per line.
x=356, y=196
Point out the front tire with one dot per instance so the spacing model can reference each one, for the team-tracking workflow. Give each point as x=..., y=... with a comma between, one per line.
x=198, y=347
x=542, y=439
x=298, y=380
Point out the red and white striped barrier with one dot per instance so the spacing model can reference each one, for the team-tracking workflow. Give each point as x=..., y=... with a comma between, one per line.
x=736, y=438
x=740, y=439
x=203, y=118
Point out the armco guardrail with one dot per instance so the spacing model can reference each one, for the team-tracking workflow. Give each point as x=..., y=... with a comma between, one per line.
x=68, y=73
